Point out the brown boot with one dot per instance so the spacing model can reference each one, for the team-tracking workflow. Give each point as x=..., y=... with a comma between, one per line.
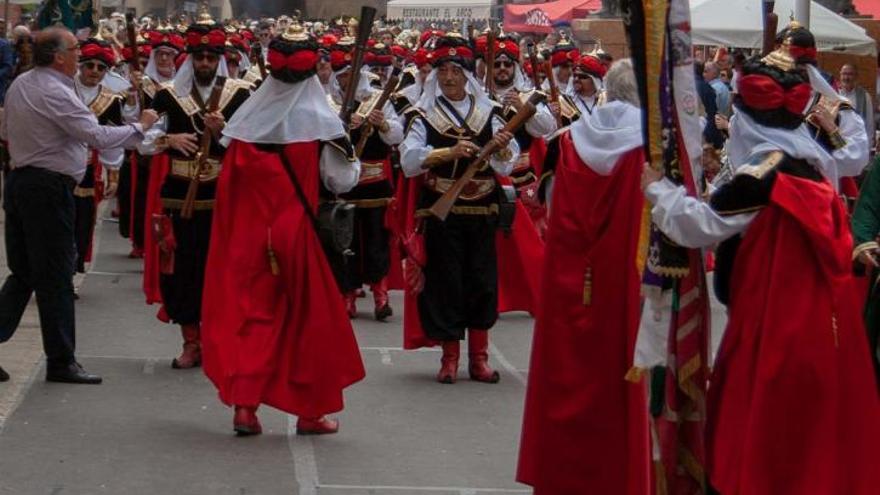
x=478, y=357
x=382, y=309
x=191, y=356
x=449, y=362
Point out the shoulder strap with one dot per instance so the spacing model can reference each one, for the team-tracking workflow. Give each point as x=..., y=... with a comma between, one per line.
x=296, y=185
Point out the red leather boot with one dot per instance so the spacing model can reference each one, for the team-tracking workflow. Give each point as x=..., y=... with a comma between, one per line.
x=245, y=422
x=351, y=304
x=316, y=426
x=449, y=362
x=478, y=357
x=191, y=356
x=380, y=297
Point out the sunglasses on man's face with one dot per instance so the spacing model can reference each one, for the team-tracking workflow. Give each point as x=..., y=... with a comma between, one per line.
x=210, y=57
x=582, y=76
x=502, y=64
x=95, y=66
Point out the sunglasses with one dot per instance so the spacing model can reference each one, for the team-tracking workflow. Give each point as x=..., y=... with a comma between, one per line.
x=210, y=57
x=582, y=76
x=499, y=65
x=95, y=66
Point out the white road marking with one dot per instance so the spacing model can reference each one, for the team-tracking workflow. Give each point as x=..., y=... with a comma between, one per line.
x=303, y=452
x=507, y=365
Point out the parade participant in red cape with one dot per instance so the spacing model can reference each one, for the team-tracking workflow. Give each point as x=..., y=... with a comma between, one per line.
x=585, y=428
x=275, y=330
x=164, y=47
x=792, y=406
x=563, y=57
x=586, y=84
x=454, y=119
x=412, y=81
x=177, y=243
x=95, y=59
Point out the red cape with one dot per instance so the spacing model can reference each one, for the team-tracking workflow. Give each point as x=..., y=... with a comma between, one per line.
x=792, y=406
x=585, y=428
x=519, y=264
x=158, y=170
x=281, y=339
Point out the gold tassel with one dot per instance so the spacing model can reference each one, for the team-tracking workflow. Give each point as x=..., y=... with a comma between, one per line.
x=273, y=260
x=588, y=286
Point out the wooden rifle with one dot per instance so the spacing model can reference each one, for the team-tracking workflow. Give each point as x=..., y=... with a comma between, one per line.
x=135, y=62
x=533, y=60
x=261, y=63
x=443, y=206
x=367, y=128
x=554, y=90
x=364, y=29
x=771, y=23
x=204, y=150
x=490, y=61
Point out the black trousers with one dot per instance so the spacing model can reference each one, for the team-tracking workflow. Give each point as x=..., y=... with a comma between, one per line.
x=123, y=198
x=182, y=290
x=141, y=177
x=372, y=255
x=41, y=253
x=461, y=276
x=85, y=216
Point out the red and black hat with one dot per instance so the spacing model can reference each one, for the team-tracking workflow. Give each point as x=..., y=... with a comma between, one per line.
x=399, y=51
x=205, y=37
x=772, y=91
x=168, y=39
x=293, y=56
x=95, y=49
x=590, y=65
x=564, y=53
x=143, y=49
x=507, y=47
x=422, y=57
x=430, y=36
x=341, y=53
x=453, y=48
x=801, y=44
x=378, y=55
x=237, y=42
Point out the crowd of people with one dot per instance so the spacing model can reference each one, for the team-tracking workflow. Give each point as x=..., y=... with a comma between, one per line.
x=270, y=171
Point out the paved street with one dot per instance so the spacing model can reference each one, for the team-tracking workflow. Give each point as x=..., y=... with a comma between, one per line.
x=150, y=429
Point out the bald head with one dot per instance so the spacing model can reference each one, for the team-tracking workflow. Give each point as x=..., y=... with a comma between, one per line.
x=848, y=76
x=710, y=71
x=56, y=48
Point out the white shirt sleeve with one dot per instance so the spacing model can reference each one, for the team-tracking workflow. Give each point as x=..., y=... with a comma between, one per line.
x=395, y=126
x=688, y=221
x=503, y=167
x=337, y=173
x=148, y=145
x=414, y=149
x=542, y=123
x=854, y=156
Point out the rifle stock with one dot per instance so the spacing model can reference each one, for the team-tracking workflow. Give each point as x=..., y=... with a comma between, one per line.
x=380, y=104
x=364, y=28
x=533, y=59
x=490, y=61
x=554, y=90
x=443, y=206
x=204, y=150
x=771, y=23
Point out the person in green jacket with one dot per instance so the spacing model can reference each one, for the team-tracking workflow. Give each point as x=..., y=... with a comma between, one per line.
x=866, y=254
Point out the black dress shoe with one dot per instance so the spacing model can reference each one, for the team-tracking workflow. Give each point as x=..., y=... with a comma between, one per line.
x=73, y=373
x=4, y=376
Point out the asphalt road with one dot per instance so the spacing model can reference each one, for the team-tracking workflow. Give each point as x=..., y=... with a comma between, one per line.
x=150, y=429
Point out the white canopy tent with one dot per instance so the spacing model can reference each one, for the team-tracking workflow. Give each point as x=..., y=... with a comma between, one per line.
x=739, y=23
x=439, y=10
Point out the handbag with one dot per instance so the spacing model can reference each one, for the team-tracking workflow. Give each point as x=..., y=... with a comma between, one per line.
x=334, y=220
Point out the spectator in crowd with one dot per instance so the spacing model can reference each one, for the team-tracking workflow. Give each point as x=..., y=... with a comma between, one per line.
x=858, y=97
x=711, y=73
x=711, y=134
x=6, y=62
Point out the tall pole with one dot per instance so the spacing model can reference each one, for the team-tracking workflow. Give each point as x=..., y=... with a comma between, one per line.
x=5, y=17
x=802, y=12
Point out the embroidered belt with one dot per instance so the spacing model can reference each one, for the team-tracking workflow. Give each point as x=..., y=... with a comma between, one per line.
x=177, y=204
x=463, y=210
x=372, y=172
x=84, y=192
x=188, y=169
x=475, y=189
x=369, y=203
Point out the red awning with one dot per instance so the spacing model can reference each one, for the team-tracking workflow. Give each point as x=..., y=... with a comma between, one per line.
x=868, y=7
x=543, y=17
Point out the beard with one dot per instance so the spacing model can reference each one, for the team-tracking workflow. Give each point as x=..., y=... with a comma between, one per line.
x=205, y=76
